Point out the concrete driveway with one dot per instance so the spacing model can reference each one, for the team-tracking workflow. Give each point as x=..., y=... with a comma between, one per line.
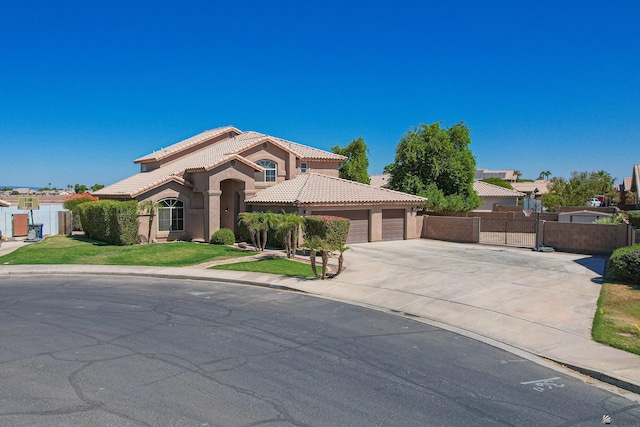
x=542, y=303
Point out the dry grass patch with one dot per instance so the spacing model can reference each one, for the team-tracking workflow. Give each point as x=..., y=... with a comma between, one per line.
x=617, y=320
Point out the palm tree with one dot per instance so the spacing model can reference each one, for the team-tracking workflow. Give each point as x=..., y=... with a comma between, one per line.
x=342, y=249
x=517, y=173
x=149, y=207
x=267, y=221
x=313, y=243
x=544, y=175
x=248, y=219
x=291, y=223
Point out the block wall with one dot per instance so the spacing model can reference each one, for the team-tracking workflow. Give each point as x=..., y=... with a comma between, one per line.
x=454, y=229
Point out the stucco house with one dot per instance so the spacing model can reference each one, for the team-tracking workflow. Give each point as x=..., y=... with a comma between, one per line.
x=495, y=195
x=204, y=182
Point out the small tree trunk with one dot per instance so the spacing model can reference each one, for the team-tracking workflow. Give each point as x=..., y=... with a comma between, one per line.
x=150, y=225
x=312, y=258
x=264, y=239
x=258, y=241
x=340, y=264
x=296, y=233
x=287, y=243
x=325, y=263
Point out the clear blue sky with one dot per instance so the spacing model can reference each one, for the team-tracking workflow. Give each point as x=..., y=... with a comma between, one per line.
x=88, y=86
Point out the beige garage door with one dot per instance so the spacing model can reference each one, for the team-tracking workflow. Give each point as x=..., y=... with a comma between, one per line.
x=358, y=224
x=393, y=224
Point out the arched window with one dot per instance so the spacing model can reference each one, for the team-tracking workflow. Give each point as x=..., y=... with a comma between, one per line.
x=171, y=215
x=270, y=171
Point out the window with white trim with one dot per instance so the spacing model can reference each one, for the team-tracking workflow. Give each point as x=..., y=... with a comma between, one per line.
x=270, y=171
x=171, y=215
x=303, y=167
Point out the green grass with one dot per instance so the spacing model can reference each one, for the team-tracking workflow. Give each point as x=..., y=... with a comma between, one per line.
x=78, y=250
x=618, y=313
x=280, y=266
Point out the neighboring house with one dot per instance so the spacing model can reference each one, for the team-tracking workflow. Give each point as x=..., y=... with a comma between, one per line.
x=495, y=195
x=47, y=215
x=507, y=175
x=380, y=180
x=625, y=195
x=204, y=182
x=582, y=217
x=539, y=186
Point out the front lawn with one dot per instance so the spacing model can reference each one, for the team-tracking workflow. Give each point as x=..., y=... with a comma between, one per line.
x=78, y=250
x=280, y=266
x=617, y=319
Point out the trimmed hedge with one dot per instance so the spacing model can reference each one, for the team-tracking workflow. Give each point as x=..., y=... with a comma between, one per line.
x=333, y=229
x=634, y=218
x=624, y=265
x=224, y=236
x=115, y=223
x=72, y=202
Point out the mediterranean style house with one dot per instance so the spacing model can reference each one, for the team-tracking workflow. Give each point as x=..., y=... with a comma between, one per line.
x=202, y=183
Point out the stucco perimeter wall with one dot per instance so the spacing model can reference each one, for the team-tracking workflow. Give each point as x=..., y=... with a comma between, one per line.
x=453, y=229
x=586, y=238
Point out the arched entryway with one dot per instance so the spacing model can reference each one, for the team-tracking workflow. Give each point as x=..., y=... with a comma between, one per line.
x=231, y=203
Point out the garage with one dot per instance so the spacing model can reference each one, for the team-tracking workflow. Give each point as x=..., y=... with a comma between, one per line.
x=358, y=227
x=393, y=224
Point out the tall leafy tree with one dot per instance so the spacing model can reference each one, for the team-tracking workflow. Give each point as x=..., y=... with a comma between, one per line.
x=580, y=188
x=355, y=168
x=436, y=163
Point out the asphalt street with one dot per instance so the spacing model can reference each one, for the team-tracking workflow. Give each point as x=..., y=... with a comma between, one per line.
x=114, y=351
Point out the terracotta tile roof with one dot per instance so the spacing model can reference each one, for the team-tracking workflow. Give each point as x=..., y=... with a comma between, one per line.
x=206, y=158
x=312, y=188
x=187, y=143
x=626, y=183
x=484, y=189
x=239, y=142
x=529, y=187
x=141, y=182
x=380, y=180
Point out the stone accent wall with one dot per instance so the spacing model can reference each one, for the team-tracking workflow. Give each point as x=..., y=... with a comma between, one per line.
x=454, y=229
x=585, y=238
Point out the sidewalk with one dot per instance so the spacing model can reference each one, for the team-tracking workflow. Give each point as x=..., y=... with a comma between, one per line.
x=518, y=300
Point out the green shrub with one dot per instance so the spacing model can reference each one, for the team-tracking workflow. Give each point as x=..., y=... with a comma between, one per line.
x=330, y=228
x=624, y=265
x=634, y=218
x=115, y=223
x=224, y=236
x=72, y=202
x=615, y=219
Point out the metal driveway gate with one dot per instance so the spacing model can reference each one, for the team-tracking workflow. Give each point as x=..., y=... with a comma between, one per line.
x=509, y=232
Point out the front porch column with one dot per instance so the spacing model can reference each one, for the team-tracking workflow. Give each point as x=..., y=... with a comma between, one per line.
x=211, y=212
